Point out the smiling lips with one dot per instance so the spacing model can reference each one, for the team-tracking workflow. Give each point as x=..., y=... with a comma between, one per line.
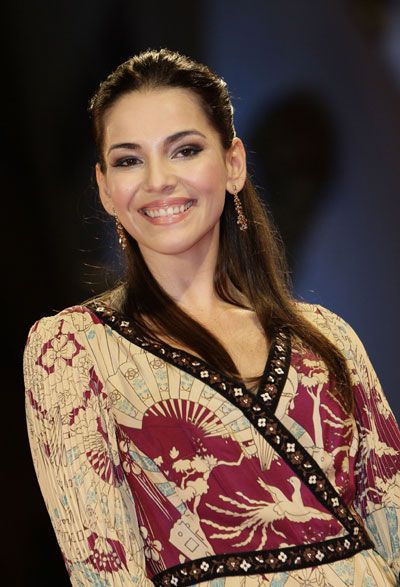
x=167, y=211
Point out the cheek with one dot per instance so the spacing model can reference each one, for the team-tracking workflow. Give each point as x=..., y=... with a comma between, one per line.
x=210, y=179
x=122, y=188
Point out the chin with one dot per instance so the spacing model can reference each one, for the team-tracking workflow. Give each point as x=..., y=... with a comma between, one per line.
x=174, y=249
x=178, y=246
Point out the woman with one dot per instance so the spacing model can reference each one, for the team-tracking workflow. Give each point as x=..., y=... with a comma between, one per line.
x=195, y=424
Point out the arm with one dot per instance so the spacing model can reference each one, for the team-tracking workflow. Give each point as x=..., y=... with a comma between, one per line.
x=377, y=467
x=74, y=450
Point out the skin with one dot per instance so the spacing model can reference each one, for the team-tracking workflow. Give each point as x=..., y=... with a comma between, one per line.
x=161, y=152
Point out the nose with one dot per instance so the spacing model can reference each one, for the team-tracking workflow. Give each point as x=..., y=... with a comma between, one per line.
x=159, y=177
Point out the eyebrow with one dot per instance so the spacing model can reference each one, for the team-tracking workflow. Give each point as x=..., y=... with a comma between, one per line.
x=168, y=140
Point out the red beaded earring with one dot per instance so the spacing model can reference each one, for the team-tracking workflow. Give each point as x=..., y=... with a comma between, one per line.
x=120, y=231
x=241, y=218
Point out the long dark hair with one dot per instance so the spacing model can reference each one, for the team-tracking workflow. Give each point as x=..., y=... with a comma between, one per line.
x=251, y=264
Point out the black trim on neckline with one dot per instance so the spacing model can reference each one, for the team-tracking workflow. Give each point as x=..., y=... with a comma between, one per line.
x=272, y=380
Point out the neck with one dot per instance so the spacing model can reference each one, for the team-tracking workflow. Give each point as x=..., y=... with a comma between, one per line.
x=188, y=277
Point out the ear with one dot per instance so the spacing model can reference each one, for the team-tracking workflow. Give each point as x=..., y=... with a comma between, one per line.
x=236, y=166
x=103, y=191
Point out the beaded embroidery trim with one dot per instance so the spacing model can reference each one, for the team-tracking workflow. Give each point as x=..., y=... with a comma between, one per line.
x=257, y=562
x=259, y=411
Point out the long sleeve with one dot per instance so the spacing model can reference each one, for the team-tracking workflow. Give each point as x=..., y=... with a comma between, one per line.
x=75, y=454
x=377, y=466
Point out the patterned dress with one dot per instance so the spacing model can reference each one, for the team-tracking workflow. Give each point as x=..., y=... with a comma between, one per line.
x=156, y=468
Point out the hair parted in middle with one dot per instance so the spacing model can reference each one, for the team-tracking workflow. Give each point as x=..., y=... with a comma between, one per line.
x=251, y=268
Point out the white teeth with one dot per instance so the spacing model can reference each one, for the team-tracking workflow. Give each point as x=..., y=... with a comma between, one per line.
x=156, y=212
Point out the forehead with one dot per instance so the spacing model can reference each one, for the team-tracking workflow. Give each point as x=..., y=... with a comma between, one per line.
x=157, y=112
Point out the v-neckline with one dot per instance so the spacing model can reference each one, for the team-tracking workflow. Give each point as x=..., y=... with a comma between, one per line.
x=272, y=380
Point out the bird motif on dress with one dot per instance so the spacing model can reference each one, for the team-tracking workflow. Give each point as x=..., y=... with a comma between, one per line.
x=263, y=514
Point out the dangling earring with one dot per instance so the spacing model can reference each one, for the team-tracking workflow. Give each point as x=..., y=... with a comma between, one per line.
x=241, y=218
x=120, y=231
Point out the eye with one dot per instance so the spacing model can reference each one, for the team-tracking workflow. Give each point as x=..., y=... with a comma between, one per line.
x=126, y=162
x=187, y=151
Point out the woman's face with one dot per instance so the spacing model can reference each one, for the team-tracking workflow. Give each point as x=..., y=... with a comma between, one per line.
x=166, y=171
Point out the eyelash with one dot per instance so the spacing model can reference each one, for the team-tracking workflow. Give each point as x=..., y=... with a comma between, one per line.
x=194, y=150
x=129, y=161
x=125, y=162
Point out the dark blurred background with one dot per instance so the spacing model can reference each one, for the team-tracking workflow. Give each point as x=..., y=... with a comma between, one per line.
x=316, y=90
